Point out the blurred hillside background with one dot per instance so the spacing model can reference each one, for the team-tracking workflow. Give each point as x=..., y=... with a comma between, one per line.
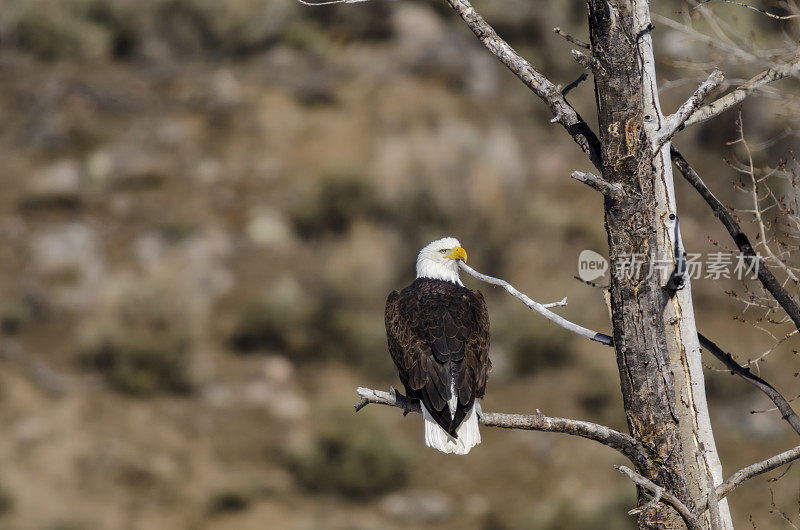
x=204, y=205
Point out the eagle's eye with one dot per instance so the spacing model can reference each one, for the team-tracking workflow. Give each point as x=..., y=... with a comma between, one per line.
x=443, y=251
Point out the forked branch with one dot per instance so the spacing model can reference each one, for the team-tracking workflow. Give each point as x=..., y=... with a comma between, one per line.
x=660, y=493
x=674, y=122
x=732, y=99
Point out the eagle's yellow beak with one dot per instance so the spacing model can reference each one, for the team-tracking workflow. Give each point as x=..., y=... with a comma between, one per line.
x=457, y=253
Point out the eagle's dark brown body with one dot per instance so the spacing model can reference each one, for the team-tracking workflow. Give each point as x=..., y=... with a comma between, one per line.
x=439, y=336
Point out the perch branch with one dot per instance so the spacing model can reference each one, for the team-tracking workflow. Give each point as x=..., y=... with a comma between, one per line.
x=570, y=38
x=598, y=183
x=539, y=308
x=732, y=99
x=541, y=86
x=659, y=492
x=765, y=276
x=675, y=122
x=621, y=442
x=787, y=413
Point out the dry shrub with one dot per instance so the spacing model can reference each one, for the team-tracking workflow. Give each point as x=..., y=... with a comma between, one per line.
x=351, y=458
x=340, y=197
x=141, y=338
x=275, y=319
x=229, y=500
x=6, y=500
x=609, y=512
x=81, y=29
x=55, y=29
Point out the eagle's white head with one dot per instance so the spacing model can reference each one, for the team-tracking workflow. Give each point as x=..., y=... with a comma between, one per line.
x=439, y=260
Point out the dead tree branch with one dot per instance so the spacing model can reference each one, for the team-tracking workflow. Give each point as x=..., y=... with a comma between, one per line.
x=787, y=413
x=587, y=61
x=621, y=442
x=765, y=276
x=756, y=469
x=754, y=8
x=659, y=493
x=675, y=122
x=545, y=89
x=598, y=183
x=570, y=38
x=539, y=308
x=771, y=392
x=732, y=99
x=581, y=78
x=750, y=171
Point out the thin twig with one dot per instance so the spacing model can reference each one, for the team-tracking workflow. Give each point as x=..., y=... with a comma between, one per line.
x=598, y=183
x=765, y=276
x=741, y=4
x=539, y=308
x=574, y=84
x=570, y=38
x=624, y=443
x=675, y=122
x=756, y=201
x=685, y=513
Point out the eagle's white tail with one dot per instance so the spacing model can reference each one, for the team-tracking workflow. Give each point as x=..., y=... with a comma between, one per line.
x=468, y=434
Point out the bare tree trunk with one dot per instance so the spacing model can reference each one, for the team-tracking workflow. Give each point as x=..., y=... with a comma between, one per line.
x=654, y=332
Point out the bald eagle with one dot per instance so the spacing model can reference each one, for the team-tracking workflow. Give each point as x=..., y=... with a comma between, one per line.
x=438, y=332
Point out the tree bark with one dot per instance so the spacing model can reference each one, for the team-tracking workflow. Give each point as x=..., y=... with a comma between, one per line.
x=658, y=354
